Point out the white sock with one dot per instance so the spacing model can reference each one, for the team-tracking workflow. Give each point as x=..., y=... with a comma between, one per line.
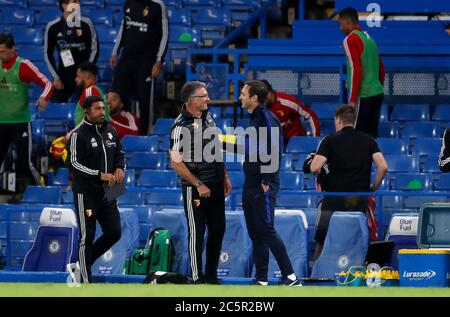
x=292, y=277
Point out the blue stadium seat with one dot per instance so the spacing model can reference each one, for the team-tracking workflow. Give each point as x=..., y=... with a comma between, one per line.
x=327, y=127
x=61, y=177
x=291, y=199
x=299, y=144
x=100, y=17
x=103, y=59
x=184, y=35
x=23, y=230
x=179, y=16
x=111, y=262
x=12, y=16
x=430, y=165
x=345, y=245
x=67, y=198
x=292, y=226
x=443, y=182
x=236, y=253
x=309, y=182
x=388, y=129
x=402, y=163
x=107, y=35
x=46, y=14
x=105, y=72
x=241, y=4
x=411, y=112
x=33, y=53
x=325, y=111
x=384, y=184
x=91, y=3
x=59, y=118
x=403, y=231
x=384, y=113
x=139, y=143
x=24, y=35
x=164, y=143
x=147, y=160
x=42, y=195
x=236, y=178
x=39, y=135
x=168, y=197
x=393, y=145
x=42, y=3
x=291, y=180
x=286, y=163
x=130, y=177
x=421, y=130
x=175, y=221
x=412, y=181
x=151, y=178
x=427, y=147
x=201, y=3
x=171, y=3
x=56, y=242
x=233, y=162
x=144, y=212
x=163, y=126
x=441, y=113
x=16, y=3
x=131, y=198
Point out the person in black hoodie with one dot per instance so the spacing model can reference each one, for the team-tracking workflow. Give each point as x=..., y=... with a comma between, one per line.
x=97, y=162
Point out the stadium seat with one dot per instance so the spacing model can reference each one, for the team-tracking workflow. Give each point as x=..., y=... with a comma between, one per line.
x=100, y=16
x=292, y=226
x=56, y=242
x=443, y=182
x=91, y=3
x=42, y=3
x=20, y=17
x=46, y=14
x=42, y=195
x=412, y=181
x=38, y=134
x=393, y=145
x=421, y=130
x=160, y=178
x=26, y=35
x=163, y=126
x=431, y=165
x=59, y=118
x=185, y=35
x=388, y=129
x=21, y=230
x=175, y=221
x=384, y=183
x=325, y=111
x=147, y=160
x=327, y=127
x=292, y=199
x=35, y=54
x=139, y=143
x=112, y=261
x=131, y=198
x=309, y=182
x=130, y=177
x=179, y=16
x=61, y=177
x=427, y=147
x=301, y=144
x=236, y=178
x=144, y=212
x=384, y=113
x=16, y=3
x=164, y=143
x=403, y=231
x=441, y=113
x=402, y=163
x=169, y=3
x=291, y=180
x=233, y=162
x=345, y=245
x=106, y=35
x=236, y=253
x=410, y=112
x=67, y=198
x=168, y=197
x=286, y=163
x=201, y=3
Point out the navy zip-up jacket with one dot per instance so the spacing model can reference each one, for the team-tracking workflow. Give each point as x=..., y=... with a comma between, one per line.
x=260, y=149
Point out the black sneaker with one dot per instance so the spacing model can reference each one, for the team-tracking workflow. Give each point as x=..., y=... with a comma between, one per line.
x=289, y=282
x=259, y=283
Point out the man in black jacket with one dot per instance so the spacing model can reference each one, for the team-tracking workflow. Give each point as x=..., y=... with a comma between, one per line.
x=444, y=155
x=203, y=177
x=75, y=39
x=143, y=39
x=97, y=162
x=262, y=183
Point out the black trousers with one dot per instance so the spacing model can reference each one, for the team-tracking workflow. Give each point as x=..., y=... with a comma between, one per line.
x=259, y=211
x=20, y=135
x=201, y=213
x=91, y=207
x=132, y=78
x=331, y=204
x=368, y=114
x=67, y=76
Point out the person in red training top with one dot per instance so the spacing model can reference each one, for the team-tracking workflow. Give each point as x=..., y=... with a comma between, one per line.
x=16, y=74
x=289, y=112
x=123, y=121
x=365, y=72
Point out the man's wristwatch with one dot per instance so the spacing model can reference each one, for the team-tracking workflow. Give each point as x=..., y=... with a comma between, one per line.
x=198, y=183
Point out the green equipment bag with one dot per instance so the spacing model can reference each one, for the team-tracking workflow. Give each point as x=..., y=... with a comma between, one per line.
x=161, y=249
x=157, y=255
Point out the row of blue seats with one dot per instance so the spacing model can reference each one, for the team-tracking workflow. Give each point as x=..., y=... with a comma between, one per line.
x=120, y=3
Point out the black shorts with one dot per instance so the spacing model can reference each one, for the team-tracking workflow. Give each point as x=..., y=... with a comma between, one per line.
x=331, y=204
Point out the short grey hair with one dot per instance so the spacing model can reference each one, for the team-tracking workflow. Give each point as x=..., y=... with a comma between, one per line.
x=189, y=88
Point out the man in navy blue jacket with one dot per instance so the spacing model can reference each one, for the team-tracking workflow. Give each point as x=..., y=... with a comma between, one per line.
x=263, y=146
